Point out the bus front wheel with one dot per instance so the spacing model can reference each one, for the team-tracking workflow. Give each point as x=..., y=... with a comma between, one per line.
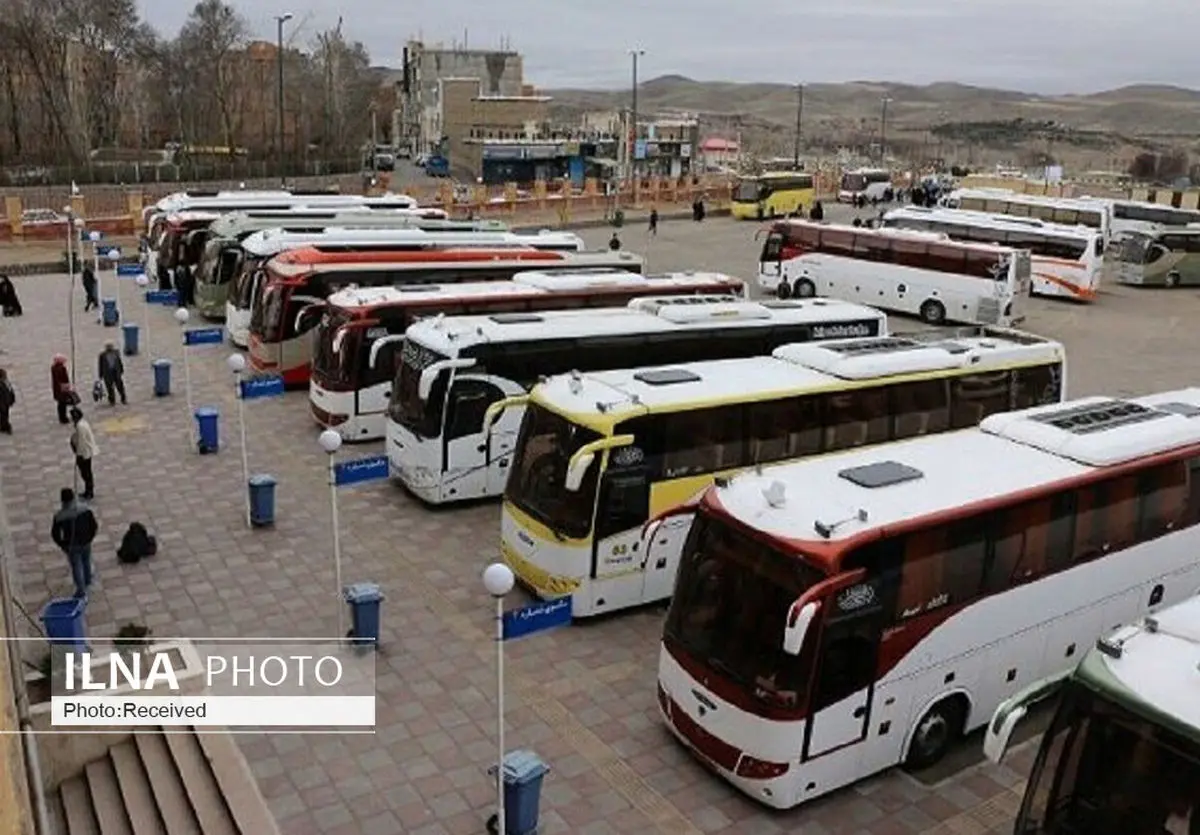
x=933, y=313
x=936, y=733
x=1172, y=279
x=805, y=289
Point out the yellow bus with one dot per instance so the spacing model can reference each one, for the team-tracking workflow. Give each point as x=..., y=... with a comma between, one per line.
x=775, y=194
x=600, y=454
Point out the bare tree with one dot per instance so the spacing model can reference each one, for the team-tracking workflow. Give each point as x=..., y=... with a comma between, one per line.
x=208, y=43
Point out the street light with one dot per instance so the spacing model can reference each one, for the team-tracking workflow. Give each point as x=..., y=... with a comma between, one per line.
x=237, y=365
x=498, y=579
x=279, y=21
x=143, y=281
x=182, y=316
x=885, y=101
x=633, y=123
x=799, y=124
x=330, y=441
x=71, y=255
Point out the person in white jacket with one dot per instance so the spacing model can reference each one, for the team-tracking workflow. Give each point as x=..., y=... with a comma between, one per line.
x=83, y=444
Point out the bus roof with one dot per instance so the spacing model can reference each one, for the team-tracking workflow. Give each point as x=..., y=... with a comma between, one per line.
x=601, y=399
x=894, y=234
x=232, y=223
x=1007, y=223
x=192, y=216
x=1152, y=668
x=365, y=231
x=647, y=315
x=411, y=235
x=779, y=175
x=1033, y=199
x=846, y=498
x=529, y=283
x=312, y=259
x=299, y=196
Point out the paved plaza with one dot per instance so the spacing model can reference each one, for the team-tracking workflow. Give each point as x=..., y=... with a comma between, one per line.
x=582, y=697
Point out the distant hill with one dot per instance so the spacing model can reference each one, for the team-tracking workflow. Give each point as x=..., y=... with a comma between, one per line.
x=1112, y=124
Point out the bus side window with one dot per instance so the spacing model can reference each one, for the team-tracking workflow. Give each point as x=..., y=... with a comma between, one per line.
x=1089, y=539
x=837, y=242
x=781, y=429
x=1006, y=543
x=975, y=396
x=1035, y=556
x=703, y=441
x=942, y=566
x=624, y=502
x=468, y=402
x=1119, y=514
x=947, y=259
x=1036, y=385
x=1164, y=493
x=856, y=418
x=1193, y=494
x=648, y=431
x=920, y=408
x=983, y=265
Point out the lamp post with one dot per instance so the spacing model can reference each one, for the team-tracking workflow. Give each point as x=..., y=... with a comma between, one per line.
x=237, y=365
x=799, y=122
x=71, y=255
x=182, y=316
x=885, y=101
x=331, y=442
x=143, y=281
x=498, y=580
x=633, y=124
x=279, y=21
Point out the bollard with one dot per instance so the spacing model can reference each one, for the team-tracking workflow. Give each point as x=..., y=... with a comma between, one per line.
x=109, y=313
x=129, y=331
x=63, y=619
x=364, y=600
x=262, y=500
x=162, y=377
x=207, y=430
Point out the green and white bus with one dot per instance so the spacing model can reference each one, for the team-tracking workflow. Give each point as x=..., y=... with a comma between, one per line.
x=1170, y=258
x=1122, y=755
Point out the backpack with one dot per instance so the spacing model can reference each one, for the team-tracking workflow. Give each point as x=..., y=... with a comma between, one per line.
x=136, y=544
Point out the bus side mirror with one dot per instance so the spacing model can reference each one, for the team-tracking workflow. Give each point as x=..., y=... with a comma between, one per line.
x=995, y=741
x=430, y=374
x=498, y=408
x=796, y=628
x=576, y=470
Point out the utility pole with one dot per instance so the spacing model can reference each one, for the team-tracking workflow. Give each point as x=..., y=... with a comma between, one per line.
x=633, y=124
x=799, y=123
x=886, y=100
x=279, y=21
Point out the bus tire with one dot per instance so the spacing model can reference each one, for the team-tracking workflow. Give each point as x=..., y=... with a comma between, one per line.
x=933, y=312
x=1172, y=279
x=784, y=290
x=760, y=214
x=936, y=733
x=805, y=289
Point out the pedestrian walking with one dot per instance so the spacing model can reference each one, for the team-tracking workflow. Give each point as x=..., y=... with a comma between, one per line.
x=654, y=222
x=73, y=530
x=89, y=289
x=614, y=243
x=60, y=387
x=818, y=211
x=9, y=303
x=111, y=372
x=185, y=283
x=83, y=444
x=8, y=399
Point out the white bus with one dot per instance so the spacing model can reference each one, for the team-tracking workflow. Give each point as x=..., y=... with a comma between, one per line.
x=1122, y=754
x=1066, y=262
x=1140, y=216
x=1068, y=211
x=261, y=247
x=918, y=273
x=442, y=448
x=356, y=353
x=874, y=185
x=269, y=199
x=841, y=615
x=601, y=454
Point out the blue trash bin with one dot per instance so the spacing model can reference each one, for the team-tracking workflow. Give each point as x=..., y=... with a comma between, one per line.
x=162, y=377
x=63, y=619
x=129, y=331
x=523, y=773
x=262, y=500
x=109, y=312
x=208, y=432
x=364, y=600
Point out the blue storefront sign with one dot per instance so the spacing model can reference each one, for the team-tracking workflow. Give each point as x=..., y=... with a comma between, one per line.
x=539, y=617
x=371, y=468
x=164, y=297
x=639, y=149
x=204, y=336
x=270, y=385
x=130, y=270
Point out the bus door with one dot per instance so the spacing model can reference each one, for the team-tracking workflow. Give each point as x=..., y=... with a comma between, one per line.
x=845, y=670
x=465, y=474
x=622, y=508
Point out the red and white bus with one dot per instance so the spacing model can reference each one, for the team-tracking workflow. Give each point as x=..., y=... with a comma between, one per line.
x=843, y=614
x=297, y=283
x=357, y=344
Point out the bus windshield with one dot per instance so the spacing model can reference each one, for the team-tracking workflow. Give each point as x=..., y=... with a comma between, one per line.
x=854, y=182
x=336, y=350
x=421, y=417
x=539, y=470
x=1104, y=771
x=731, y=603
x=267, y=319
x=747, y=191
x=242, y=292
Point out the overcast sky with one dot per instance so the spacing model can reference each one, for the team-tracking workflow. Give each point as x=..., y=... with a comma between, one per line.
x=1033, y=45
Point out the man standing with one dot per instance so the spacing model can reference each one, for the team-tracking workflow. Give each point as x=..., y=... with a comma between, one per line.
x=89, y=289
x=83, y=444
x=112, y=373
x=8, y=399
x=73, y=530
x=654, y=223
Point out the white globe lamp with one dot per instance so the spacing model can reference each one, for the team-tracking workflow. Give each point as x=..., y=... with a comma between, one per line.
x=143, y=280
x=498, y=579
x=330, y=441
x=182, y=315
x=236, y=363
